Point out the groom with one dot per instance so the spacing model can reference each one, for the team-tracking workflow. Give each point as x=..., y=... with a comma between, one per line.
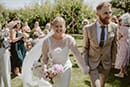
x=100, y=45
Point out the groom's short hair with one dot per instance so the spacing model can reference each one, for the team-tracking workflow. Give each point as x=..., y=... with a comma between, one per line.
x=106, y=4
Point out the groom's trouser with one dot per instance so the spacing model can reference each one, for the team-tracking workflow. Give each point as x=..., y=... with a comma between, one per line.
x=98, y=76
x=5, y=80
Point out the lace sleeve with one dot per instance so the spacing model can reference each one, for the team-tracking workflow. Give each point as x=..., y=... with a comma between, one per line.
x=45, y=51
x=79, y=58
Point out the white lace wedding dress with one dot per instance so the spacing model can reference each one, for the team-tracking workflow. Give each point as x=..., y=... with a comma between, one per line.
x=58, y=51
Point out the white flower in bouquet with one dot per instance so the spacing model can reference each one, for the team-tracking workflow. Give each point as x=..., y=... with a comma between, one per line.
x=38, y=69
x=47, y=72
x=54, y=70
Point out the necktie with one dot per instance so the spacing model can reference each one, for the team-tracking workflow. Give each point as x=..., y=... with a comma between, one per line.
x=102, y=37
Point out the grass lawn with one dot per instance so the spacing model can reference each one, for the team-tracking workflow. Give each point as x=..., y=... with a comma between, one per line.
x=78, y=79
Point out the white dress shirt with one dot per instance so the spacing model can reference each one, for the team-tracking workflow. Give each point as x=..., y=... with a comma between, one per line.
x=98, y=30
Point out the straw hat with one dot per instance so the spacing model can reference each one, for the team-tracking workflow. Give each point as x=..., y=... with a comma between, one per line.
x=13, y=23
x=126, y=19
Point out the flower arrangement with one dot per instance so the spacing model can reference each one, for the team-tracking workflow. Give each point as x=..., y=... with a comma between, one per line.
x=38, y=69
x=48, y=73
x=4, y=38
x=53, y=71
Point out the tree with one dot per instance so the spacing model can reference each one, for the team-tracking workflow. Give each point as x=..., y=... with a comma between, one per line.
x=4, y=15
x=121, y=4
x=73, y=11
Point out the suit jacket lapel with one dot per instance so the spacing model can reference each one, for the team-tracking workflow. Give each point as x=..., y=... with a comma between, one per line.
x=94, y=33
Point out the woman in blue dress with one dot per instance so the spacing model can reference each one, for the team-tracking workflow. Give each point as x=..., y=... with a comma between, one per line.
x=18, y=49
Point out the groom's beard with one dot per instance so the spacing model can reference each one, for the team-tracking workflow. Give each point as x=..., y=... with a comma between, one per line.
x=105, y=20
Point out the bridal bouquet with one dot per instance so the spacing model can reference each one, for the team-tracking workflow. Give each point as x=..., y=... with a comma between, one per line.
x=38, y=69
x=4, y=39
x=48, y=73
x=56, y=69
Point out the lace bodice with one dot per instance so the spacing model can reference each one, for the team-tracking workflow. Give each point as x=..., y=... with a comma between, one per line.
x=58, y=54
x=58, y=51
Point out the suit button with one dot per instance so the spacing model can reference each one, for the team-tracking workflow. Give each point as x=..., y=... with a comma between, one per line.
x=101, y=54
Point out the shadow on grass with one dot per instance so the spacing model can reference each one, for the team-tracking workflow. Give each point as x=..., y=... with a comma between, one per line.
x=75, y=66
x=118, y=82
x=87, y=83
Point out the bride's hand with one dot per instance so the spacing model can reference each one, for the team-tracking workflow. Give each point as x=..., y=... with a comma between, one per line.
x=51, y=75
x=87, y=69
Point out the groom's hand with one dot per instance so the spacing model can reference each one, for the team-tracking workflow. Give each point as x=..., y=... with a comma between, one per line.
x=86, y=70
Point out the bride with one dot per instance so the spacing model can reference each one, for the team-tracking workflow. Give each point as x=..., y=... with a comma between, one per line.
x=54, y=48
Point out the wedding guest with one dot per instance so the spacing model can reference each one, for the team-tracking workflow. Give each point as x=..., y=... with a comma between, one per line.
x=26, y=27
x=84, y=23
x=6, y=28
x=29, y=45
x=36, y=38
x=48, y=26
x=114, y=19
x=37, y=28
x=18, y=49
x=122, y=58
x=5, y=79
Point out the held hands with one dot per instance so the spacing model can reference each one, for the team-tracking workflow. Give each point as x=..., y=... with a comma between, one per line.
x=52, y=74
x=48, y=73
x=49, y=77
x=86, y=70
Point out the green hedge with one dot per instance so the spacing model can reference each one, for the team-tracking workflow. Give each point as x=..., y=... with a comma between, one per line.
x=73, y=11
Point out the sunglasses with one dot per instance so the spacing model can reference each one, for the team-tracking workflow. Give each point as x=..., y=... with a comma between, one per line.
x=108, y=12
x=126, y=25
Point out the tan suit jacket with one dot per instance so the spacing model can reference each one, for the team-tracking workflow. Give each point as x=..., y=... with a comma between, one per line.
x=94, y=54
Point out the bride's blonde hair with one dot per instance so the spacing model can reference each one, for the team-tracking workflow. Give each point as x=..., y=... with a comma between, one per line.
x=58, y=19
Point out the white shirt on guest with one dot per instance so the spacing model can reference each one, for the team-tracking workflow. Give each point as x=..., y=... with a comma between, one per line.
x=98, y=29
